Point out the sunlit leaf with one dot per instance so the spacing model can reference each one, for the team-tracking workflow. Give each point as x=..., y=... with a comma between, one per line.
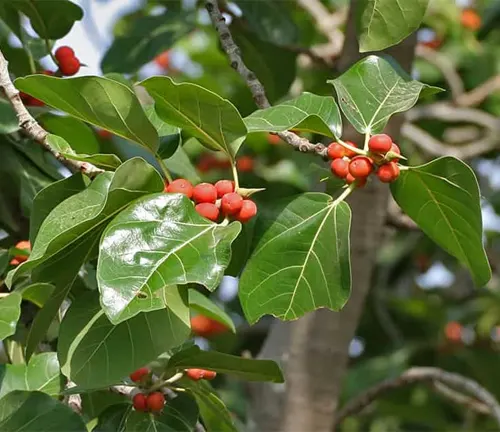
x=10, y=311
x=203, y=305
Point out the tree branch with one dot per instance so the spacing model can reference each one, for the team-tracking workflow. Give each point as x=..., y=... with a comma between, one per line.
x=233, y=52
x=480, y=93
x=30, y=125
x=433, y=375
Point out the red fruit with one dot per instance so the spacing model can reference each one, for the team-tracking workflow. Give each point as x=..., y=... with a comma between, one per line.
x=360, y=166
x=453, y=331
x=207, y=162
x=139, y=374
x=163, y=60
x=104, y=134
x=64, y=52
x=388, y=172
x=340, y=168
x=231, y=203
x=205, y=193
x=360, y=182
x=36, y=102
x=205, y=327
x=245, y=164
x=181, y=186
x=208, y=210
x=432, y=44
x=336, y=151
x=140, y=402
x=48, y=72
x=23, y=245
x=273, y=139
x=198, y=374
x=380, y=143
x=156, y=401
x=224, y=187
x=247, y=212
x=395, y=148
x=350, y=153
x=69, y=66
x=470, y=19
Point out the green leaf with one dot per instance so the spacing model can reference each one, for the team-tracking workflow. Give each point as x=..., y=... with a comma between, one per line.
x=248, y=369
x=8, y=119
x=80, y=137
x=51, y=19
x=170, y=136
x=4, y=259
x=443, y=198
x=10, y=310
x=94, y=403
x=307, y=112
x=180, y=165
x=40, y=374
x=37, y=293
x=301, y=260
x=203, y=114
x=179, y=415
x=103, y=102
x=215, y=415
x=19, y=409
x=92, y=352
x=203, y=305
x=276, y=67
x=383, y=23
x=172, y=245
x=113, y=418
x=147, y=37
x=51, y=196
x=270, y=20
x=373, y=90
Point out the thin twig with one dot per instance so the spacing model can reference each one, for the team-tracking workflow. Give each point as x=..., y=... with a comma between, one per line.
x=424, y=374
x=30, y=125
x=233, y=52
x=480, y=93
x=461, y=399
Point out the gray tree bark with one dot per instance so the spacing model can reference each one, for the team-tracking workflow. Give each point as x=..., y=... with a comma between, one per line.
x=314, y=350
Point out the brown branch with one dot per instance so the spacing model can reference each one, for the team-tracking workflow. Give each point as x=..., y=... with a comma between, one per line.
x=398, y=219
x=30, y=125
x=480, y=93
x=233, y=52
x=427, y=374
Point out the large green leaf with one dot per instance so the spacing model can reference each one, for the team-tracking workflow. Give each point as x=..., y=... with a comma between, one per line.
x=203, y=305
x=170, y=136
x=10, y=310
x=307, y=112
x=382, y=23
x=37, y=293
x=443, y=198
x=35, y=411
x=180, y=165
x=8, y=119
x=216, y=417
x=374, y=89
x=301, y=260
x=172, y=245
x=69, y=234
x=271, y=20
x=113, y=418
x=40, y=374
x=80, y=137
x=248, y=369
x=147, y=37
x=205, y=115
x=51, y=19
x=103, y=102
x=275, y=66
x=50, y=197
x=92, y=352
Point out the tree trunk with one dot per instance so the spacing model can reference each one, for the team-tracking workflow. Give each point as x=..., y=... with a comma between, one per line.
x=314, y=350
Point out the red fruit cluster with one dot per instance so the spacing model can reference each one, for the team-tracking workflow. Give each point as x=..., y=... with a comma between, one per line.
x=68, y=63
x=152, y=402
x=199, y=374
x=347, y=164
x=453, y=331
x=212, y=200
x=245, y=164
x=470, y=19
x=139, y=374
x=18, y=259
x=163, y=59
x=206, y=327
x=209, y=162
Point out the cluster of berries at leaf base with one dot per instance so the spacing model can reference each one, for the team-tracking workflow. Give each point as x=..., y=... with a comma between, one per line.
x=206, y=327
x=23, y=245
x=215, y=201
x=68, y=63
x=380, y=159
x=151, y=398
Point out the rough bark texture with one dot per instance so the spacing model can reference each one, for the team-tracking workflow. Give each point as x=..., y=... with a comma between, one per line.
x=314, y=349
